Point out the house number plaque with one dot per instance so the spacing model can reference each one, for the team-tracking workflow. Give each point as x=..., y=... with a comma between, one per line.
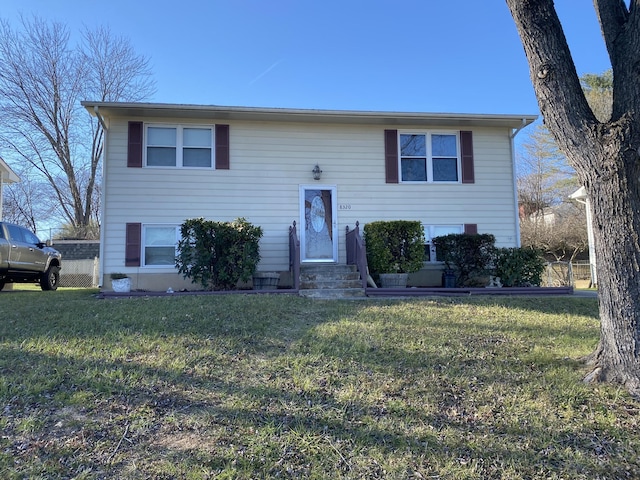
x=345, y=206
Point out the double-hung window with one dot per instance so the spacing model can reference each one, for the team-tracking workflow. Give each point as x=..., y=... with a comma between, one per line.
x=430, y=157
x=179, y=146
x=432, y=231
x=159, y=244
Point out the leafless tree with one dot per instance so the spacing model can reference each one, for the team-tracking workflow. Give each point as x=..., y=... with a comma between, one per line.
x=23, y=203
x=549, y=220
x=606, y=156
x=544, y=177
x=560, y=231
x=43, y=78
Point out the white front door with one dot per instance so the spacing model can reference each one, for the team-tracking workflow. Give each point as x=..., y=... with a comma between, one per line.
x=318, y=218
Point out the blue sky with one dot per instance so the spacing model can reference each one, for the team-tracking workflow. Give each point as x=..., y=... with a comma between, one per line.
x=460, y=56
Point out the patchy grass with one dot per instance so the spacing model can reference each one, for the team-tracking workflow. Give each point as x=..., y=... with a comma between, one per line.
x=263, y=386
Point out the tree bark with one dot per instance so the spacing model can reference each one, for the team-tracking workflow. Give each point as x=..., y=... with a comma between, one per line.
x=606, y=157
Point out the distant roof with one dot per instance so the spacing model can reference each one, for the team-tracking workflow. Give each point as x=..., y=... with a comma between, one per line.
x=215, y=112
x=8, y=175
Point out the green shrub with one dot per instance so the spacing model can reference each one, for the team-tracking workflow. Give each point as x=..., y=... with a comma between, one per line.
x=519, y=267
x=395, y=246
x=218, y=254
x=469, y=255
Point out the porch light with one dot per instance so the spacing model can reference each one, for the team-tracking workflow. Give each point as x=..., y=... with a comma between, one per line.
x=316, y=172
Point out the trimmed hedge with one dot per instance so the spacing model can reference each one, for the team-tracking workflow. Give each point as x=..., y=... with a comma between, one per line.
x=218, y=254
x=473, y=257
x=469, y=255
x=519, y=267
x=395, y=246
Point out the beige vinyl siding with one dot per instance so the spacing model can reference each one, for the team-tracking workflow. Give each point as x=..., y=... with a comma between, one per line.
x=268, y=163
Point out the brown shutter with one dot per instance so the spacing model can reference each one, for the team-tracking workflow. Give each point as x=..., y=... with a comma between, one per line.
x=133, y=245
x=471, y=228
x=222, y=147
x=466, y=150
x=134, y=150
x=391, y=156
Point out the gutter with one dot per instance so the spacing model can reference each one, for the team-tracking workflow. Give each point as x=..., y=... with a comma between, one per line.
x=515, y=132
x=96, y=110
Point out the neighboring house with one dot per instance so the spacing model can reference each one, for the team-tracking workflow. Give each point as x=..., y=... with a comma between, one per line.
x=166, y=163
x=546, y=216
x=7, y=176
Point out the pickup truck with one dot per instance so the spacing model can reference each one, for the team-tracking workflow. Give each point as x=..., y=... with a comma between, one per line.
x=25, y=259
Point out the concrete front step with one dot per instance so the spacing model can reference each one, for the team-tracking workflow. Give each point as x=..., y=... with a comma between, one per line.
x=327, y=282
x=334, y=293
x=326, y=267
x=330, y=281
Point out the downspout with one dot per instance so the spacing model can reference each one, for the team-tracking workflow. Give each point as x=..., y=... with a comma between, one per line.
x=512, y=136
x=592, y=257
x=100, y=118
x=515, y=132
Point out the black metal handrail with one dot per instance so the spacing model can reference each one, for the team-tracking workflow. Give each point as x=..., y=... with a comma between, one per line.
x=357, y=253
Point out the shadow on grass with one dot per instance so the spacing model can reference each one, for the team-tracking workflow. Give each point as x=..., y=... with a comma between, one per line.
x=271, y=386
x=243, y=426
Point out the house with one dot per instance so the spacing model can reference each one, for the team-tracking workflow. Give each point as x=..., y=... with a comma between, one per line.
x=7, y=176
x=325, y=170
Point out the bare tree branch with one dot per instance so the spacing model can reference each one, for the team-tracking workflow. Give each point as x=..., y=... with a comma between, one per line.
x=43, y=78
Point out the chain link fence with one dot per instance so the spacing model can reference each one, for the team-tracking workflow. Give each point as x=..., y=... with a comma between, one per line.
x=561, y=274
x=79, y=273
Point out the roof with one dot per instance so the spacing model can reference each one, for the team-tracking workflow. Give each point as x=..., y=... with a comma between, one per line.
x=215, y=112
x=8, y=175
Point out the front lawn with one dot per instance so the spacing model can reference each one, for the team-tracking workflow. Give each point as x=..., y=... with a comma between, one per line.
x=268, y=386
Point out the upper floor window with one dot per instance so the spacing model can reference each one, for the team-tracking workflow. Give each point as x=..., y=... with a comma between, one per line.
x=179, y=146
x=429, y=157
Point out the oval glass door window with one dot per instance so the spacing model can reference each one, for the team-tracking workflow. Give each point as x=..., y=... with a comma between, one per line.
x=317, y=214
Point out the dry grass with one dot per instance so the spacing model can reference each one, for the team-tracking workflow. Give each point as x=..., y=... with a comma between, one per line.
x=286, y=387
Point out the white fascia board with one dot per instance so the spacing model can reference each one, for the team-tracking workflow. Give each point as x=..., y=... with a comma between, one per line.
x=221, y=113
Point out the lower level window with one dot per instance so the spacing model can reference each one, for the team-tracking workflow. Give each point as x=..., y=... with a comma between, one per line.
x=432, y=231
x=159, y=245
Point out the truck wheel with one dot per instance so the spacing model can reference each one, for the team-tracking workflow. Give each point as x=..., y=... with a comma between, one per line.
x=50, y=278
x=2, y=282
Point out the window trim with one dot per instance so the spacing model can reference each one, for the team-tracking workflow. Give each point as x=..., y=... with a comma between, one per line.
x=429, y=156
x=143, y=243
x=179, y=145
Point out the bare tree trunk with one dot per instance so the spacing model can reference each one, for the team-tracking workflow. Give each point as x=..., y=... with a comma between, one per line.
x=615, y=206
x=606, y=157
